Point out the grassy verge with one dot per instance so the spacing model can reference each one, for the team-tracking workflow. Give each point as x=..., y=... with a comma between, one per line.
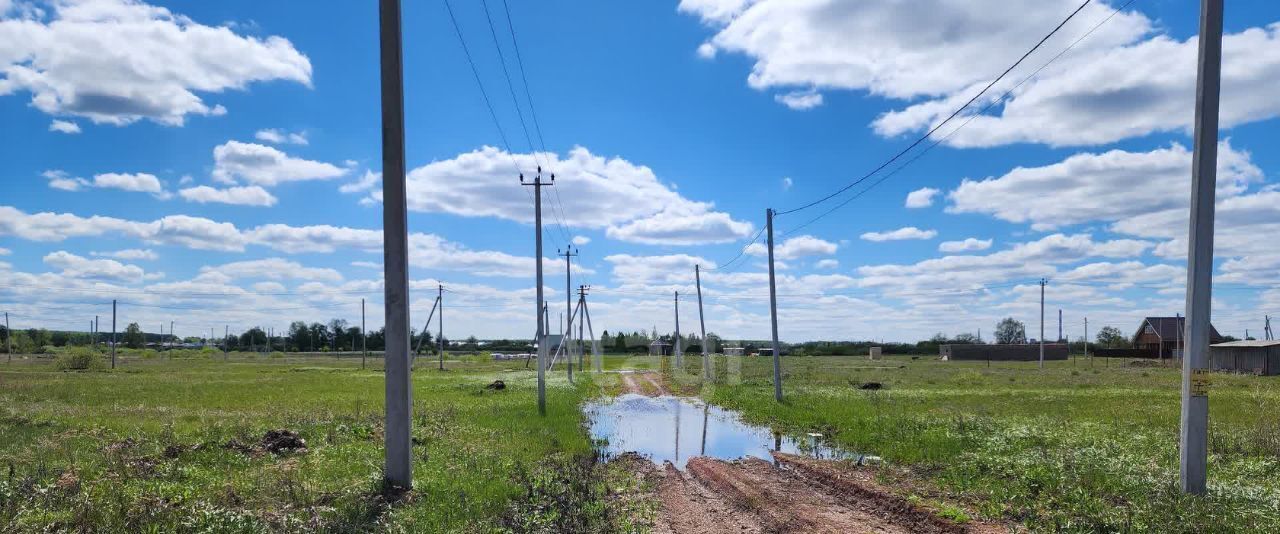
x=1072, y=448
x=177, y=445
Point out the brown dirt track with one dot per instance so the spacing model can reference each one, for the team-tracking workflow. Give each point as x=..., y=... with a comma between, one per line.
x=794, y=495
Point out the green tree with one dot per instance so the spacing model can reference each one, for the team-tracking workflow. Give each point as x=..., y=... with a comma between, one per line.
x=1010, y=331
x=299, y=335
x=620, y=343
x=1111, y=337
x=133, y=337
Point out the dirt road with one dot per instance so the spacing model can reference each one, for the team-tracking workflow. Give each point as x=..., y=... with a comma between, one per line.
x=795, y=495
x=648, y=384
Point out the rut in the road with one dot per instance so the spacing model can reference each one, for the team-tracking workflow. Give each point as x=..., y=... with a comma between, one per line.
x=753, y=495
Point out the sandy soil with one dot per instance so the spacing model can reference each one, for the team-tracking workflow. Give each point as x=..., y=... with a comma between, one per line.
x=795, y=494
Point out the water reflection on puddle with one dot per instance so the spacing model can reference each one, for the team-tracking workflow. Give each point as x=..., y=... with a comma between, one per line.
x=675, y=429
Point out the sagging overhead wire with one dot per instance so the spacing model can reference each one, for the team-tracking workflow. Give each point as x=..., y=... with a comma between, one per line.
x=981, y=112
x=493, y=115
x=936, y=127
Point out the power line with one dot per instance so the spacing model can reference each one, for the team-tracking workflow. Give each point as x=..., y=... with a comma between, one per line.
x=981, y=112
x=953, y=115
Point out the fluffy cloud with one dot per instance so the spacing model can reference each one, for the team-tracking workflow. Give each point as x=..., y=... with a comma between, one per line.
x=368, y=181
x=626, y=199
x=1238, y=223
x=800, y=100
x=138, y=182
x=1127, y=79
x=828, y=263
x=795, y=248
x=581, y=240
x=132, y=254
x=921, y=198
x=968, y=245
x=182, y=230
x=280, y=137
x=271, y=269
x=242, y=196
x=66, y=127
x=660, y=270
x=120, y=61
x=1023, y=261
x=906, y=232
x=74, y=266
x=1101, y=96
x=1109, y=186
x=61, y=180
x=266, y=166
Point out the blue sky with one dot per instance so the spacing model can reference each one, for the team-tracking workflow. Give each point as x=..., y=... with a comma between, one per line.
x=230, y=151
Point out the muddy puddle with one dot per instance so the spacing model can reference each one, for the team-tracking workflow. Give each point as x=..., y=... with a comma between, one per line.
x=675, y=429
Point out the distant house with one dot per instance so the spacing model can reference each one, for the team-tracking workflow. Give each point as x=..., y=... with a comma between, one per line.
x=733, y=351
x=1160, y=336
x=1260, y=357
x=659, y=348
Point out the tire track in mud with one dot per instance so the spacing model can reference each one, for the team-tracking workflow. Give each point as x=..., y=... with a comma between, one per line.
x=647, y=384
x=799, y=495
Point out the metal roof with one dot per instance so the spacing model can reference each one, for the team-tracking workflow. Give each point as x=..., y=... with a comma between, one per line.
x=1249, y=343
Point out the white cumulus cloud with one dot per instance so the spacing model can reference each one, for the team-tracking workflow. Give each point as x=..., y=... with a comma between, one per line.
x=241, y=196
x=906, y=232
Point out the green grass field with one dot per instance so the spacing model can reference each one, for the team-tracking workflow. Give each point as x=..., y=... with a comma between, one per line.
x=1077, y=447
x=170, y=445
x=144, y=448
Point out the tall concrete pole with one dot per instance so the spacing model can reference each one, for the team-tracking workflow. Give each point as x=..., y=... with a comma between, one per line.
x=226, y=341
x=95, y=332
x=582, y=323
x=440, y=323
x=8, y=338
x=113, y=332
x=364, y=338
x=1086, y=337
x=395, y=222
x=568, y=304
x=773, y=312
x=702, y=322
x=541, y=341
x=675, y=347
x=1042, y=283
x=1195, y=401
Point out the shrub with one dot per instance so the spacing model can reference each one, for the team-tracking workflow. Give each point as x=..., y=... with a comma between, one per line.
x=79, y=360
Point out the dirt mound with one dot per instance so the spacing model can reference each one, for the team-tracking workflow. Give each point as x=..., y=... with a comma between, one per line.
x=497, y=385
x=283, y=442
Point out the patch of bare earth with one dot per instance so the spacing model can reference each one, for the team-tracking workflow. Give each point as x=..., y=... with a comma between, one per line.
x=647, y=384
x=800, y=495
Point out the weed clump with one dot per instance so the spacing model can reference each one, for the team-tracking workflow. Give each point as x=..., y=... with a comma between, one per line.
x=79, y=360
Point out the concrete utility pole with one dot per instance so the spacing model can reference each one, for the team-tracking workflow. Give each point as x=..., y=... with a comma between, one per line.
x=395, y=223
x=582, y=322
x=113, y=332
x=226, y=341
x=675, y=347
x=773, y=312
x=1060, y=324
x=95, y=332
x=1042, y=283
x=537, y=232
x=440, y=322
x=568, y=253
x=1194, y=450
x=8, y=338
x=171, y=341
x=364, y=337
x=1086, y=337
x=702, y=322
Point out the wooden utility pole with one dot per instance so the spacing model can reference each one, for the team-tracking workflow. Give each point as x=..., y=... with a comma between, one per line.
x=395, y=222
x=773, y=312
x=537, y=258
x=1194, y=450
